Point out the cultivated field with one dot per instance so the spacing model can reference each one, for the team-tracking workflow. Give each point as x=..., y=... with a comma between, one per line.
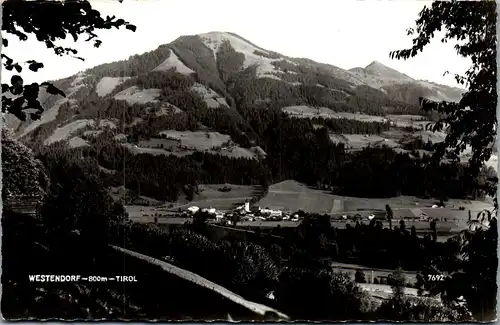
x=291, y=196
x=210, y=197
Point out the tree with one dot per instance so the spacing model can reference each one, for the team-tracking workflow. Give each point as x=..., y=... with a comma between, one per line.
x=472, y=121
x=67, y=18
x=398, y=283
x=255, y=271
x=413, y=231
x=200, y=220
x=473, y=277
x=22, y=173
x=80, y=202
x=433, y=226
x=235, y=218
x=402, y=225
x=322, y=295
x=421, y=309
x=359, y=276
x=420, y=284
x=389, y=215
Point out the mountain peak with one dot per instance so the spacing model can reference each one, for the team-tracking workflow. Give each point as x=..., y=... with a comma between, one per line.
x=376, y=64
x=381, y=69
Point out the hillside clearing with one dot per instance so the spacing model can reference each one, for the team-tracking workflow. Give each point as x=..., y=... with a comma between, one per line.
x=65, y=132
x=134, y=95
x=197, y=140
x=107, y=84
x=77, y=142
x=359, y=141
x=264, y=65
x=173, y=62
x=47, y=116
x=212, y=98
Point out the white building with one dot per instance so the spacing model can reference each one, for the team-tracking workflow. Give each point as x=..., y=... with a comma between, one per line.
x=193, y=209
x=271, y=212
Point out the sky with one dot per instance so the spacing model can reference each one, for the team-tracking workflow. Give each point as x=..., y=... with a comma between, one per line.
x=344, y=33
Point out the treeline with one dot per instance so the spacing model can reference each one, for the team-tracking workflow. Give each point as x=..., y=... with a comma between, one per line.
x=368, y=244
x=418, y=144
x=133, y=66
x=296, y=150
x=351, y=126
x=164, y=177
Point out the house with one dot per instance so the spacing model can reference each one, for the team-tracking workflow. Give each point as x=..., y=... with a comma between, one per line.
x=193, y=209
x=271, y=212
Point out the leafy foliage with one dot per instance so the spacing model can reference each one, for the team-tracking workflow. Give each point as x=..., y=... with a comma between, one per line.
x=22, y=173
x=24, y=18
x=472, y=121
x=421, y=309
x=330, y=296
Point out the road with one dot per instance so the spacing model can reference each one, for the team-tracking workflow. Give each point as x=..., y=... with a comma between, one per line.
x=411, y=276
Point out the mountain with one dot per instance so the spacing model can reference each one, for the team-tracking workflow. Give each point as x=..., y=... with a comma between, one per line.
x=402, y=87
x=227, y=70
x=215, y=107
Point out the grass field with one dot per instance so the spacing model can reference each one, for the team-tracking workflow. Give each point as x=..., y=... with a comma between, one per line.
x=208, y=197
x=290, y=196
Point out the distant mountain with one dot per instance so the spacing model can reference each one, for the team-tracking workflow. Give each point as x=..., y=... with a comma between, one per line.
x=402, y=87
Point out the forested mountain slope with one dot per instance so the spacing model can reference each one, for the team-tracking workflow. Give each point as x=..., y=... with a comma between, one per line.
x=215, y=108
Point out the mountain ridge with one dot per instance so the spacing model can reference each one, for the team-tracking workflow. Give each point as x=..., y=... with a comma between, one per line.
x=226, y=70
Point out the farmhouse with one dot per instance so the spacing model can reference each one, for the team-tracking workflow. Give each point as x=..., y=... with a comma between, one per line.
x=271, y=212
x=193, y=209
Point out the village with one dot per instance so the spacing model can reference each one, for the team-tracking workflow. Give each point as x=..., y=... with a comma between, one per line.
x=244, y=212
